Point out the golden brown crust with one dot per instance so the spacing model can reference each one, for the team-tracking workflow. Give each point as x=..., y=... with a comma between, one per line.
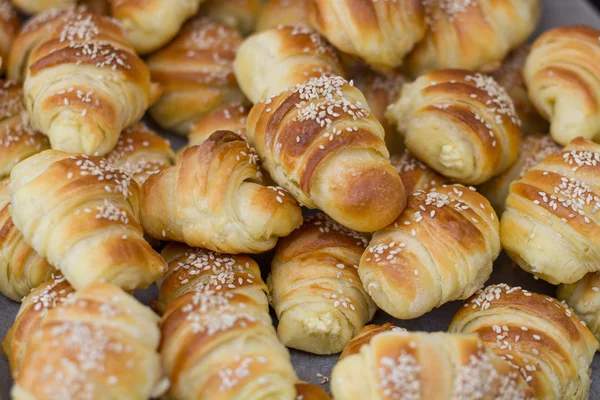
x=440, y=249
x=380, y=32
x=320, y=141
x=84, y=114
x=364, y=336
x=9, y=26
x=474, y=35
x=213, y=198
x=40, y=6
x=238, y=14
x=277, y=59
x=315, y=288
x=195, y=72
x=416, y=175
x=461, y=124
x=534, y=148
x=306, y=391
x=87, y=225
x=34, y=308
x=540, y=337
x=141, y=152
x=561, y=75
x=510, y=77
x=402, y=365
x=100, y=343
x=230, y=117
x=550, y=224
x=150, y=24
x=278, y=13
x=17, y=141
x=218, y=340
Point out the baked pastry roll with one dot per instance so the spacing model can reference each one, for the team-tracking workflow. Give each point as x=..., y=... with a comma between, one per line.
x=276, y=13
x=473, y=35
x=84, y=84
x=140, y=153
x=462, y=124
x=213, y=198
x=306, y=391
x=274, y=60
x=196, y=74
x=534, y=148
x=415, y=174
x=403, y=365
x=584, y=297
x=21, y=268
x=33, y=310
x=440, y=249
x=320, y=141
x=550, y=222
x=231, y=117
x=561, y=75
x=40, y=6
x=315, y=288
x=238, y=14
x=218, y=341
x=380, y=91
x=81, y=214
x=17, y=140
x=510, y=77
x=364, y=336
x=196, y=269
x=379, y=32
x=538, y=336
x=99, y=344
x=150, y=24
x=9, y=26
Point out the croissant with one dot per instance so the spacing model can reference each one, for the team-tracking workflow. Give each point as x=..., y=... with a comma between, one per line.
x=78, y=112
x=584, y=297
x=274, y=60
x=150, y=24
x=379, y=32
x=473, y=35
x=440, y=249
x=40, y=6
x=461, y=124
x=561, y=75
x=213, y=198
x=306, y=391
x=140, y=153
x=510, y=77
x=81, y=214
x=534, y=148
x=9, y=26
x=402, y=365
x=196, y=74
x=380, y=91
x=33, y=310
x=191, y=269
x=276, y=13
x=364, y=336
x=320, y=142
x=17, y=141
x=231, y=117
x=99, y=344
x=238, y=14
x=415, y=175
x=550, y=225
x=100, y=7
x=21, y=268
x=315, y=288
x=538, y=336
x=218, y=341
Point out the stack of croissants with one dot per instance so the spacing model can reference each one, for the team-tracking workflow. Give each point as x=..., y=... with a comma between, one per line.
x=427, y=133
